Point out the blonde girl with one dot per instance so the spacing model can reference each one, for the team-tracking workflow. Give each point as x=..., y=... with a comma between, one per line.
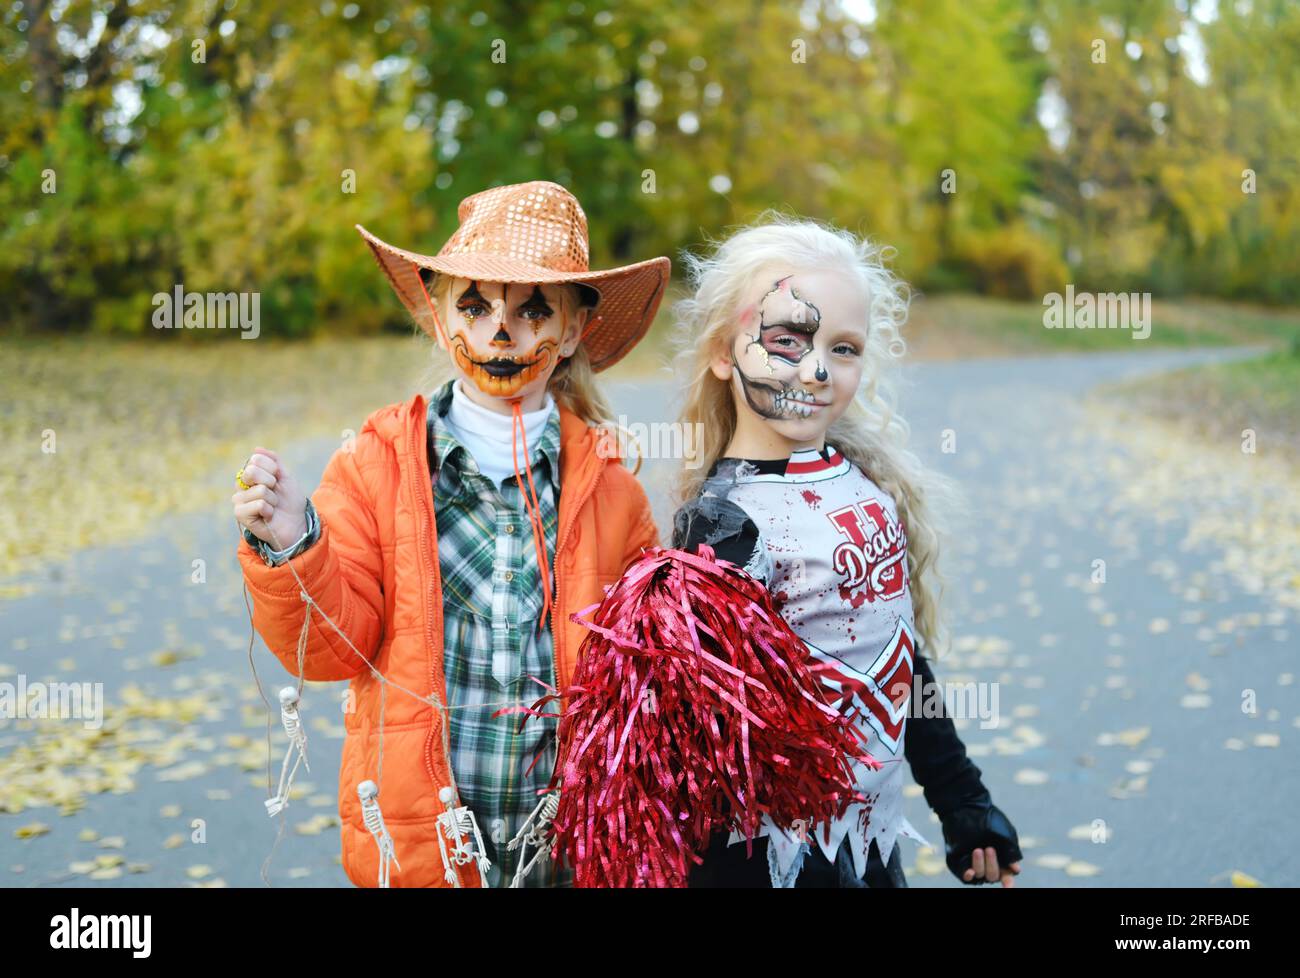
x=787, y=343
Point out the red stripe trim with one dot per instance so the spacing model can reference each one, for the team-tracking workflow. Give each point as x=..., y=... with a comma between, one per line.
x=818, y=464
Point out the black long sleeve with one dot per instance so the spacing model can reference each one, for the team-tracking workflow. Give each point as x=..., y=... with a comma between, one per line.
x=937, y=755
x=952, y=785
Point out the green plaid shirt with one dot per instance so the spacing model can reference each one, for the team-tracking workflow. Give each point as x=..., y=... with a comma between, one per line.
x=492, y=601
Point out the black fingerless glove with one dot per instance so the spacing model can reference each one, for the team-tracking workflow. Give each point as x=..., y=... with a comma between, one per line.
x=975, y=827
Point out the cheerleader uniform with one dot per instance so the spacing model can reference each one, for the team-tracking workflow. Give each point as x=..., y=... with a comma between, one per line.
x=827, y=543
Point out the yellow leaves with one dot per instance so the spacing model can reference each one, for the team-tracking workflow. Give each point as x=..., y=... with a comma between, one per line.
x=1127, y=738
x=1246, y=506
x=324, y=725
x=93, y=394
x=31, y=831
x=1077, y=867
x=1053, y=860
x=1206, y=190
x=1095, y=834
x=1031, y=776
x=929, y=862
x=183, y=772
x=316, y=824
x=64, y=762
x=198, y=872
x=254, y=757
x=1237, y=879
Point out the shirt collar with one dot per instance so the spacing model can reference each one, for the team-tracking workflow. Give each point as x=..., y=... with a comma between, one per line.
x=804, y=458
x=457, y=459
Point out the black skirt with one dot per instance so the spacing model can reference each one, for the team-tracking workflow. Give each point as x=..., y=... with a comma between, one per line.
x=728, y=866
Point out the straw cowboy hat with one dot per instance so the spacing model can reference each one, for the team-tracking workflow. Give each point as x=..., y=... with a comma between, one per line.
x=533, y=233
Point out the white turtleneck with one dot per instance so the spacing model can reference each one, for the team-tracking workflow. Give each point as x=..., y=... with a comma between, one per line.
x=486, y=434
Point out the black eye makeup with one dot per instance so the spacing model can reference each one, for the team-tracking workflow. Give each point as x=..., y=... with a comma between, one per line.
x=787, y=339
x=471, y=303
x=536, y=307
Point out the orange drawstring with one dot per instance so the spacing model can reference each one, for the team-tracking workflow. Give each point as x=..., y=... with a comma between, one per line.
x=590, y=326
x=533, y=506
x=436, y=321
x=531, y=503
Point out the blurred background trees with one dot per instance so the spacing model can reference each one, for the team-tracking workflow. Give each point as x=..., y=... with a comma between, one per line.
x=1002, y=146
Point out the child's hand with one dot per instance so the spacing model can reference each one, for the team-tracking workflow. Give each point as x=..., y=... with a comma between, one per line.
x=973, y=835
x=984, y=865
x=274, y=508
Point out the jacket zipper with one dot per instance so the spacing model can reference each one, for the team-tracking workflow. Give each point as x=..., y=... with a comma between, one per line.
x=429, y=571
x=557, y=641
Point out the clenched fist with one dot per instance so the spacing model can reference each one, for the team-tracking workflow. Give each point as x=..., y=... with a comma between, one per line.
x=274, y=509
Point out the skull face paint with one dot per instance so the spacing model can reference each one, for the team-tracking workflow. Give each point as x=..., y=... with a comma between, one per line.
x=507, y=338
x=767, y=359
x=794, y=360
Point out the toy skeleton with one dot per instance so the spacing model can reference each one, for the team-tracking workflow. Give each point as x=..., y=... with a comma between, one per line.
x=534, y=832
x=368, y=792
x=297, y=750
x=458, y=826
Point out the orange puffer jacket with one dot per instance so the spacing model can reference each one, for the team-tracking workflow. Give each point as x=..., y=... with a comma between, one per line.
x=374, y=571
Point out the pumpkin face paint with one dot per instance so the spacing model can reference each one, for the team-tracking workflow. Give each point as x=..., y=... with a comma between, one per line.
x=507, y=338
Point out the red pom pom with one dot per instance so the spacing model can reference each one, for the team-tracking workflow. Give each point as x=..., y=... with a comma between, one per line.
x=694, y=708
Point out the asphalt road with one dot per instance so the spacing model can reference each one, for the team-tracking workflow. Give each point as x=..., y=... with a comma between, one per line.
x=1121, y=750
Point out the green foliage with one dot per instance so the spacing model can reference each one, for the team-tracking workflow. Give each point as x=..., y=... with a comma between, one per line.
x=1010, y=262
x=246, y=169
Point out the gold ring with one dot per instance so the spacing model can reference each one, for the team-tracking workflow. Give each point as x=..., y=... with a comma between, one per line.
x=239, y=478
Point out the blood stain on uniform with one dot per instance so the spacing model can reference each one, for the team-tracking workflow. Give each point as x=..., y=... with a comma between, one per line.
x=855, y=600
x=811, y=498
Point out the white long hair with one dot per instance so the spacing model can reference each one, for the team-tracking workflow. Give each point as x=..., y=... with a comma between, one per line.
x=870, y=433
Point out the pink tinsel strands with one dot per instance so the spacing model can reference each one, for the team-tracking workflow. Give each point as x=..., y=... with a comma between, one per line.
x=694, y=707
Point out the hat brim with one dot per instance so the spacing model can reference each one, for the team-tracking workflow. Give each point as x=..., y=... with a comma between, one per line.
x=629, y=295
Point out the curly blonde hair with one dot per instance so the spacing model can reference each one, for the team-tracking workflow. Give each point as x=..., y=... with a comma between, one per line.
x=870, y=433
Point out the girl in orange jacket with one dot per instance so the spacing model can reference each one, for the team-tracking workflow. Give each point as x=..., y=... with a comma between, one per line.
x=437, y=564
